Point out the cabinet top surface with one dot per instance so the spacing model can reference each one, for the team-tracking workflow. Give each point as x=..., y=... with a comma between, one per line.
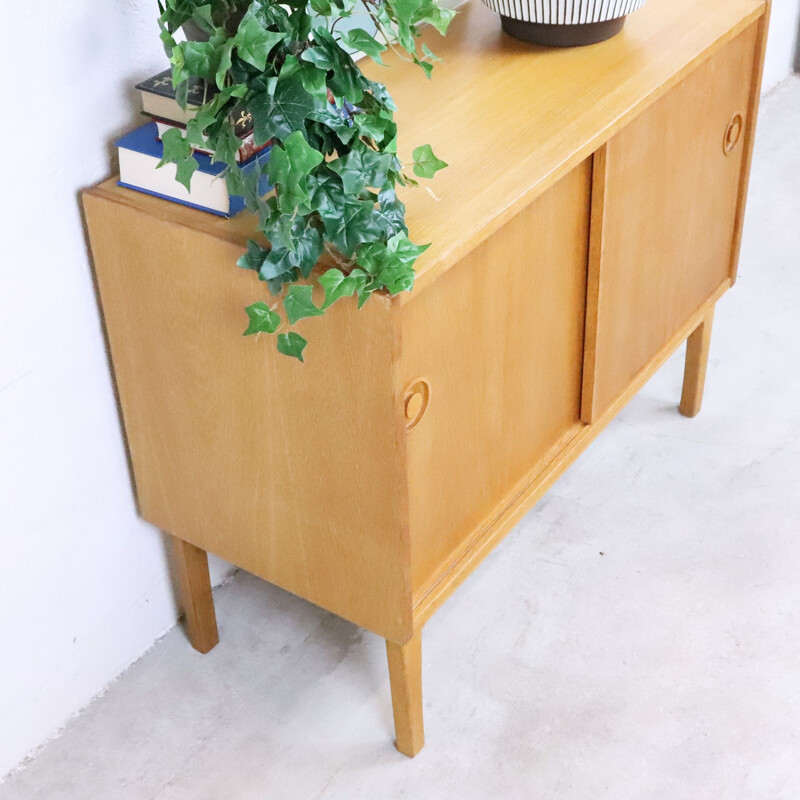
x=511, y=118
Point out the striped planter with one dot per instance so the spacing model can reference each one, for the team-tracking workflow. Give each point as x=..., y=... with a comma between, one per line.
x=563, y=23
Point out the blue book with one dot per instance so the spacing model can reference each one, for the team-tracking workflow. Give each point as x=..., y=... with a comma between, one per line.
x=139, y=154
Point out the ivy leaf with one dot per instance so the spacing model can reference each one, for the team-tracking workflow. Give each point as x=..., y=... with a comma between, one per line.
x=334, y=120
x=298, y=304
x=253, y=43
x=362, y=167
x=224, y=64
x=254, y=257
x=288, y=167
x=381, y=94
x=327, y=193
x=177, y=150
x=262, y=319
x=292, y=344
x=440, y=17
x=226, y=146
x=308, y=248
x=377, y=128
x=406, y=12
x=397, y=277
x=278, y=115
x=277, y=262
x=176, y=147
x=429, y=53
x=391, y=264
x=321, y=54
x=299, y=21
x=350, y=224
x=362, y=279
x=404, y=249
x=179, y=76
x=391, y=212
x=359, y=39
x=201, y=59
x=346, y=79
x=301, y=158
x=406, y=9
x=426, y=164
x=301, y=253
x=194, y=131
x=344, y=8
x=274, y=15
x=337, y=285
x=313, y=81
x=184, y=172
x=202, y=16
x=425, y=66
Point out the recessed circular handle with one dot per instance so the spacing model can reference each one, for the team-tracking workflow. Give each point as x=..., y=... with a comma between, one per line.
x=417, y=397
x=733, y=134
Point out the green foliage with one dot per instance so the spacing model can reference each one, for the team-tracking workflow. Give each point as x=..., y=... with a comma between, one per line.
x=298, y=303
x=178, y=151
x=426, y=164
x=262, y=319
x=292, y=344
x=334, y=159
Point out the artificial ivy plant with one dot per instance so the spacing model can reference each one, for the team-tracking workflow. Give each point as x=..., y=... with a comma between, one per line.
x=334, y=157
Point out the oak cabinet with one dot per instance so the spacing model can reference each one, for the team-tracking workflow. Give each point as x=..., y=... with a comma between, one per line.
x=588, y=223
x=499, y=342
x=671, y=185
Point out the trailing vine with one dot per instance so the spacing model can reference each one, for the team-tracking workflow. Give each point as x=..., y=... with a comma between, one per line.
x=334, y=158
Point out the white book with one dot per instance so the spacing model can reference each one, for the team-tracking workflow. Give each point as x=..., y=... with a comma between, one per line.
x=140, y=153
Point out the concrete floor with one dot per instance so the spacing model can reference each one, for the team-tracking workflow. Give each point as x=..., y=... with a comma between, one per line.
x=637, y=636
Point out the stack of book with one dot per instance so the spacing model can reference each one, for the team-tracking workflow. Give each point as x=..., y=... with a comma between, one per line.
x=141, y=150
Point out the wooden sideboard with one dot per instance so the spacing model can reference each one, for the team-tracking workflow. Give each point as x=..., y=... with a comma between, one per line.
x=588, y=223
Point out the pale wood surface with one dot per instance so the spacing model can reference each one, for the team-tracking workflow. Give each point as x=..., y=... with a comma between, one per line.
x=518, y=118
x=671, y=196
x=197, y=602
x=515, y=118
x=405, y=677
x=694, y=378
x=750, y=135
x=593, y=282
x=540, y=479
x=500, y=341
x=290, y=471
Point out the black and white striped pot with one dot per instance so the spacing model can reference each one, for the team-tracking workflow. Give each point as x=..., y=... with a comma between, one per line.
x=563, y=23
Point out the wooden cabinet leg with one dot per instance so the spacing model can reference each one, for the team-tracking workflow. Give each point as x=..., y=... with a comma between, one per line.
x=405, y=676
x=694, y=377
x=198, y=603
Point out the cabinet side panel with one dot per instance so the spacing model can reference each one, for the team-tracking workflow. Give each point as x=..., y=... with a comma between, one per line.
x=287, y=470
x=669, y=218
x=499, y=341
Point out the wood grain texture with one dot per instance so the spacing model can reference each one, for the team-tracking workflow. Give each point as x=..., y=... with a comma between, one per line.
x=593, y=283
x=515, y=118
x=751, y=121
x=518, y=117
x=671, y=197
x=540, y=479
x=694, y=377
x=287, y=470
x=405, y=677
x=372, y=480
x=499, y=340
x=197, y=602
